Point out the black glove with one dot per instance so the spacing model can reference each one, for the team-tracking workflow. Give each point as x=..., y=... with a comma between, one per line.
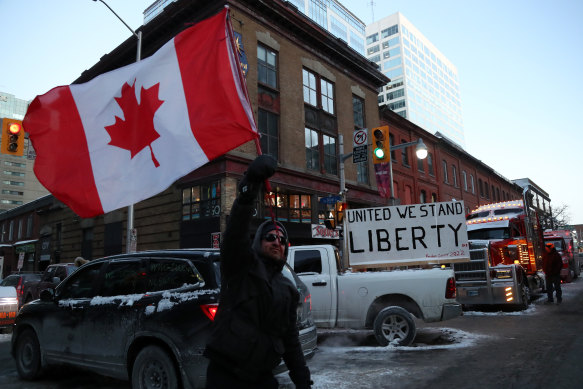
x=301, y=378
x=260, y=170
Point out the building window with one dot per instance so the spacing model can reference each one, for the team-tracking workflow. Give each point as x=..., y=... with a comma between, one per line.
x=317, y=145
x=433, y=197
x=10, y=173
x=465, y=180
x=330, y=155
x=268, y=124
x=498, y=193
x=11, y=231
x=373, y=49
x=372, y=38
x=420, y=165
x=312, y=150
x=422, y=197
x=266, y=66
x=445, y=178
x=472, y=186
x=390, y=31
x=201, y=201
x=12, y=192
x=294, y=208
x=318, y=92
x=430, y=164
x=358, y=112
x=405, y=154
x=454, y=175
x=327, y=91
x=19, y=234
x=392, y=143
x=481, y=187
x=486, y=191
x=13, y=183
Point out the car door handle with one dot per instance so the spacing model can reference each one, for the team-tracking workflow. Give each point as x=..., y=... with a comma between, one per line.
x=319, y=283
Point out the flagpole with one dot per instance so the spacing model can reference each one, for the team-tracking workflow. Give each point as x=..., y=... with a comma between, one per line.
x=131, y=235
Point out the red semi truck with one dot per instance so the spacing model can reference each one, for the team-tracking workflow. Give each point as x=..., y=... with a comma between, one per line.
x=506, y=248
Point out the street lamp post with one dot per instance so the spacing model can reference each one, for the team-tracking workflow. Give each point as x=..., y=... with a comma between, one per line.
x=131, y=238
x=420, y=151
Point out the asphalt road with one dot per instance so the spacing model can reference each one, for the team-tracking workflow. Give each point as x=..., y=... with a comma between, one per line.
x=541, y=347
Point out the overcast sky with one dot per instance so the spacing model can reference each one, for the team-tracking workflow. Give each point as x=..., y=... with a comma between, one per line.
x=519, y=64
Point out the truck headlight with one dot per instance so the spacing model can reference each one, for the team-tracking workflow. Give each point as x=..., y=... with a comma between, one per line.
x=502, y=274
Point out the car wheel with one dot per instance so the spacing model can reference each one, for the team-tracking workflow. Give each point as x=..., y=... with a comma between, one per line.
x=27, y=356
x=154, y=369
x=394, y=325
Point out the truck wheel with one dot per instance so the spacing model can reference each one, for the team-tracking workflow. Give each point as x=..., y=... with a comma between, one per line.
x=524, y=297
x=154, y=368
x=394, y=325
x=27, y=356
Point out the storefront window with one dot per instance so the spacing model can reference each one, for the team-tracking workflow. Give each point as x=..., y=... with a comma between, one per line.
x=294, y=208
x=201, y=201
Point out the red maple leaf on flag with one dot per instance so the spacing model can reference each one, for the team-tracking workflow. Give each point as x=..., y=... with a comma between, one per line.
x=137, y=130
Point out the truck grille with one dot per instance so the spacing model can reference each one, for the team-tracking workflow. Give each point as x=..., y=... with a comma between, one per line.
x=475, y=270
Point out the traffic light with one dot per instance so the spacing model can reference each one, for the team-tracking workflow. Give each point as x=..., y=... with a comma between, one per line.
x=12, y=141
x=381, y=151
x=340, y=207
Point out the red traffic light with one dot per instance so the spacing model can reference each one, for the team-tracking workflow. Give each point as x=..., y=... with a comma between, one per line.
x=14, y=128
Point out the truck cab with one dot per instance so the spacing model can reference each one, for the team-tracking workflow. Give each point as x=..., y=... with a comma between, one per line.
x=506, y=247
x=313, y=265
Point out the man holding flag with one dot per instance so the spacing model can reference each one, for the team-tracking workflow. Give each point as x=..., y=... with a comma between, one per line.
x=255, y=326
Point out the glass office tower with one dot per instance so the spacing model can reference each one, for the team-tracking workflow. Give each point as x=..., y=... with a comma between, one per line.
x=424, y=85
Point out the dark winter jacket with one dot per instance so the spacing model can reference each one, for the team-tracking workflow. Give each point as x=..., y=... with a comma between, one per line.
x=552, y=263
x=255, y=326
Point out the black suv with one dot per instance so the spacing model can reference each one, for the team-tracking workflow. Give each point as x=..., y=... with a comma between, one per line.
x=143, y=317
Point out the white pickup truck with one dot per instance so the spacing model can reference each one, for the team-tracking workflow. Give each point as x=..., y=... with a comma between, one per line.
x=386, y=301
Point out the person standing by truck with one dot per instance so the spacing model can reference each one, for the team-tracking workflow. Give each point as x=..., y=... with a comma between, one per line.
x=552, y=264
x=255, y=325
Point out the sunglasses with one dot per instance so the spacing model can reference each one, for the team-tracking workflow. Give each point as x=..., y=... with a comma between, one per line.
x=273, y=237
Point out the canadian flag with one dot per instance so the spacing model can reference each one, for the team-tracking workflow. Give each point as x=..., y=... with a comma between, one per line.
x=128, y=134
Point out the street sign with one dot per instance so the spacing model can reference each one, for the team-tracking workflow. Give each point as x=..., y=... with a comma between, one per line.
x=330, y=199
x=360, y=146
x=360, y=154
